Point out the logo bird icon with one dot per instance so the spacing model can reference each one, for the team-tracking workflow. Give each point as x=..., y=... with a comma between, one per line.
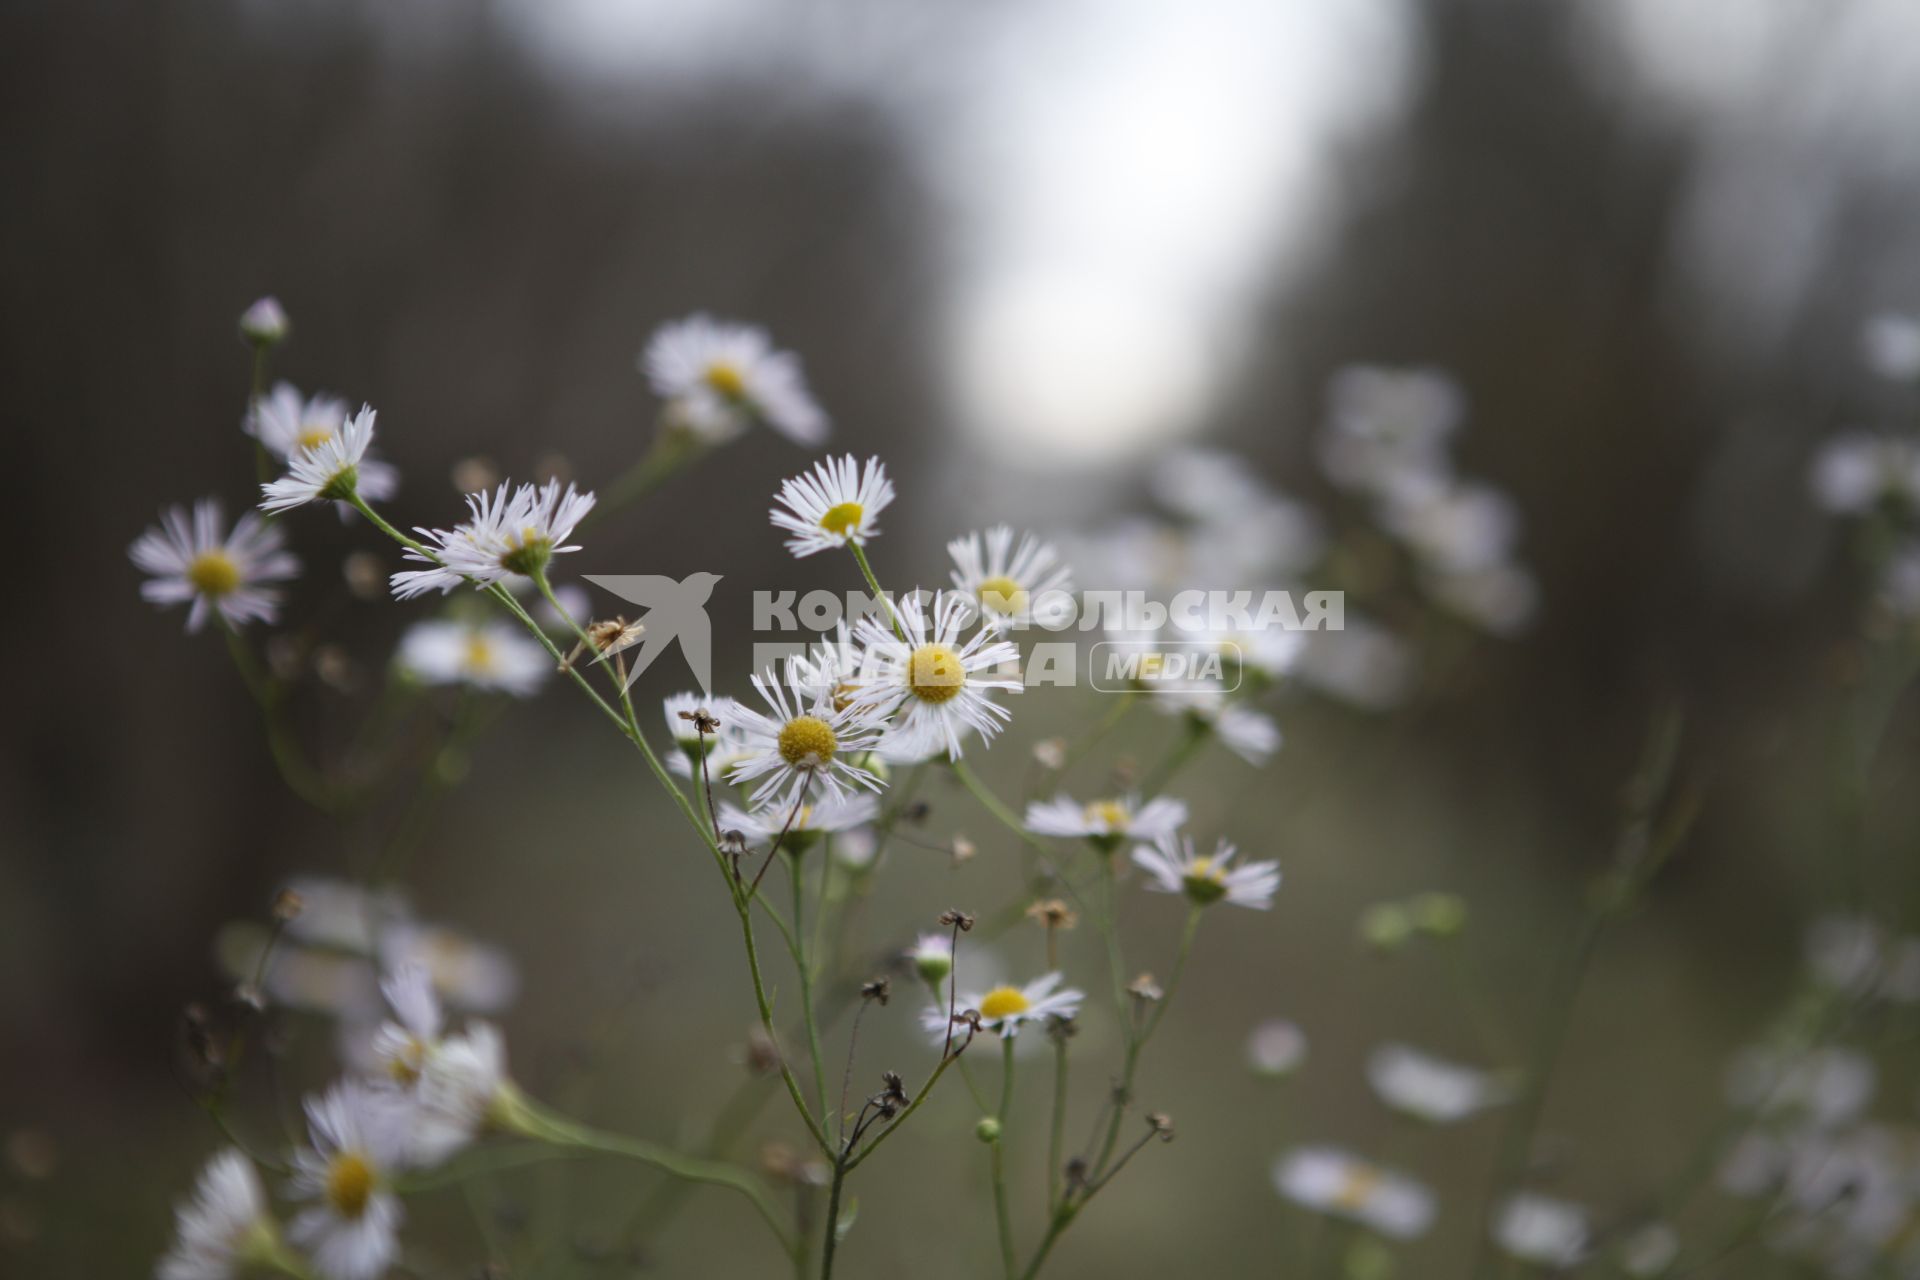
x=673, y=611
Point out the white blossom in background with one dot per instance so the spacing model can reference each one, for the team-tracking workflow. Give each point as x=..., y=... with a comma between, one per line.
x=188, y=557
x=469, y=975
x=717, y=377
x=1252, y=735
x=1013, y=584
x=1900, y=582
x=490, y=654
x=1826, y=1087
x=933, y=684
x=507, y=535
x=1649, y=1250
x=1172, y=866
x=803, y=747
x=1890, y=343
x=1364, y=665
x=837, y=504
x=1452, y=526
x=1385, y=425
x=829, y=816
x=1429, y=1088
x=1500, y=599
x=1856, y=470
x=1541, y=1230
x=1276, y=1048
x=328, y=471
x=1334, y=1182
x=1110, y=820
x=1005, y=1009
x=359, y=1139
x=225, y=1229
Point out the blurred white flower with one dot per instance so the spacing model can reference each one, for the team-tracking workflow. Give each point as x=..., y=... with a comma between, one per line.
x=836, y=504
x=1251, y=735
x=1500, y=599
x=1890, y=342
x=1207, y=484
x=1900, y=582
x=1453, y=526
x=1649, y=1250
x=1106, y=821
x=506, y=536
x=289, y=426
x=329, y=470
x=1542, y=1230
x=1364, y=664
x=1012, y=585
x=359, y=1137
x=1429, y=1088
x=187, y=557
x=1276, y=1047
x=1334, y=1182
x=717, y=376
x=1856, y=470
x=933, y=684
x=803, y=746
x=264, y=323
x=489, y=654
x=1004, y=1010
x=1385, y=424
x=1826, y=1086
x=342, y=913
x=1174, y=867
x=469, y=975
x=225, y=1229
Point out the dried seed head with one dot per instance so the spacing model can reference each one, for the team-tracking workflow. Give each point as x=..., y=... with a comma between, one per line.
x=762, y=1055
x=287, y=906
x=956, y=918
x=733, y=842
x=1053, y=913
x=610, y=635
x=916, y=813
x=1162, y=1124
x=880, y=989
x=1145, y=989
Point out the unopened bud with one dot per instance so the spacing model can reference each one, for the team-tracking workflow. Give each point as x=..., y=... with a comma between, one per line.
x=264, y=324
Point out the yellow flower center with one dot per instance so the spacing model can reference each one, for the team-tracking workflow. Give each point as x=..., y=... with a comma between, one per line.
x=1203, y=869
x=405, y=1066
x=527, y=553
x=843, y=694
x=213, y=573
x=843, y=519
x=935, y=673
x=1108, y=813
x=349, y=1184
x=312, y=436
x=1358, y=1182
x=727, y=379
x=480, y=655
x=807, y=742
x=1002, y=595
x=1003, y=1002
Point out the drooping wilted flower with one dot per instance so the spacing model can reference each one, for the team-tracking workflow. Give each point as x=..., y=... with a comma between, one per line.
x=836, y=504
x=487, y=654
x=717, y=377
x=188, y=558
x=506, y=536
x=1012, y=585
x=1174, y=867
x=1334, y=1182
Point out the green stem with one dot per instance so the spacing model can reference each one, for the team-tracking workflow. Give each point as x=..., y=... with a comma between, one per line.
x=670, y=451
x=1136, y=1044
x=873, y=587
x=1056, y=1136
x=806, y=984
x=301, y=777
x=1002, y=1217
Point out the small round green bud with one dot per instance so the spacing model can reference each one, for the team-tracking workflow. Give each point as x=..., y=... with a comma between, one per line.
x=1443, y=915
x=988, y=1130
x=933, y=963
x=1385, y=926
x=264, y=324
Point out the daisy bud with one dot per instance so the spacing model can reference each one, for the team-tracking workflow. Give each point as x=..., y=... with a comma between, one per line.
x=932, y=957
x=988, y=1130
x=1385, y=927
x=264, y=324
x=1443, y=915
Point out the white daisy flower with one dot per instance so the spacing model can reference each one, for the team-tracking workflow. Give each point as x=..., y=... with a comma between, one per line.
x=1385, y=424
x=934, y=685
x=225, y=1229
x=342, y=913
x=1334, y=1182
x=289, y=426
x=1891, y=343
x=473, y=976
x=1453, y=526
x=506, y=536
x=1542, y=1230
x=1176, y=868
x=832, y=506
x=1429, y=1088
x=1012, y=585
x=810, y=821
x=802, y=744
x=452, y=1081
x=1857, y=470
x=188, y=558
x=264, y=323
x=932, y=958
x=329, y=471
x=1276, y=1048
x=1005, y=1009
x=486, y=655
x=1251, y=735
x=1107, y=822
x=360, y=1136
x=717, y=376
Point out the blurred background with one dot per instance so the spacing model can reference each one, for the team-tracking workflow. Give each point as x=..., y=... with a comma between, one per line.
x=1024, y=249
